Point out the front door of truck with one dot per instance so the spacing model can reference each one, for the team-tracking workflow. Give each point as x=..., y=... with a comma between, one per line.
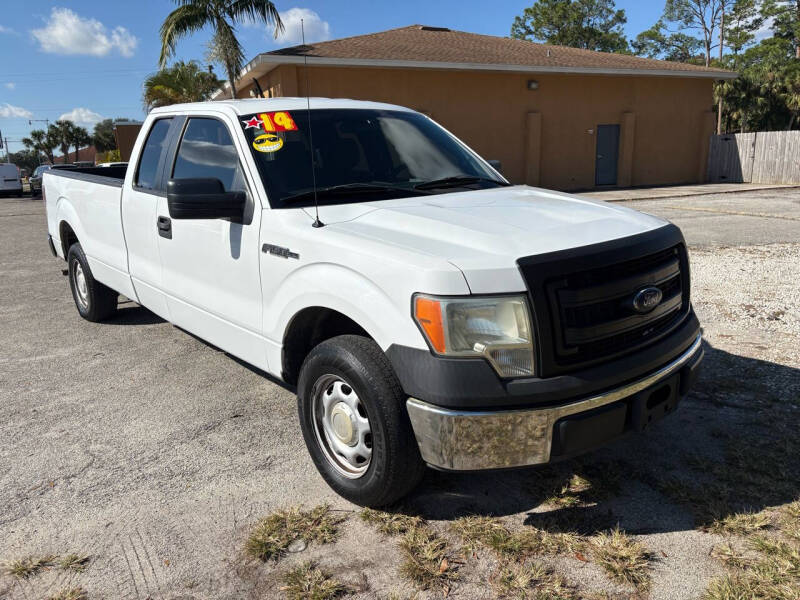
x=210, y=267
x=139, y=206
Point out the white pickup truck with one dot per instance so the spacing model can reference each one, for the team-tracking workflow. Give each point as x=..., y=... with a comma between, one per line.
x=432, y=313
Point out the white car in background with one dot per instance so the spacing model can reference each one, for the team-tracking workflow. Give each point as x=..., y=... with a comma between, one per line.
x=10, y=180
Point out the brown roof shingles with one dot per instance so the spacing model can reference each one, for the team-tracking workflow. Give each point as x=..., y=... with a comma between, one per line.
x=421, y=43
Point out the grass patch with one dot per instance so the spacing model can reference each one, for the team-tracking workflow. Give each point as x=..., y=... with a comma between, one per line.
x=391, y=523
x=425, y=560
x=75, y=593
x=308, y=582
x=272, y=535
x=529, y=582
x=23, y=568
x=740, y=523
x=491, y=533
x=623, y=559
x=730, y=557
x=74, y=562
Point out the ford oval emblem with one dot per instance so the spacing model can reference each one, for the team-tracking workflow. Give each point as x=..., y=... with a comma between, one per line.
x=646, y=299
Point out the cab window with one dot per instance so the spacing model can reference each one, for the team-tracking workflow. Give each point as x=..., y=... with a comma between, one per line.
x=147, y=171
x=207, y=150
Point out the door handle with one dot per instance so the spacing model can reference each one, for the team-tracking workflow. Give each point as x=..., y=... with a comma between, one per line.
x=164, y=225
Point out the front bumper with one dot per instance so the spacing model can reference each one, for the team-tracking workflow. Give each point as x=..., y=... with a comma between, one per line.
x=462, y=440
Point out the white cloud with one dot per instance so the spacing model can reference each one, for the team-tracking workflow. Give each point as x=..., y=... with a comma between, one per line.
x=8, y=111
x=317, y=30
x=67, y=33
x=11, y=85
x=82, y=116
x=5, y=29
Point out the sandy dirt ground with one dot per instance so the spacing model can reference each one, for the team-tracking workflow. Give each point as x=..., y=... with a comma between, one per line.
x=155, y=453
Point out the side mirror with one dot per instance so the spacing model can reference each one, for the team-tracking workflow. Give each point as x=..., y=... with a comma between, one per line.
x=496, y=165
x=203, y=198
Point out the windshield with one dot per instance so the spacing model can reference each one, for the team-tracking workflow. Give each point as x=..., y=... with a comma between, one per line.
x=359, y=155
x=41, y=169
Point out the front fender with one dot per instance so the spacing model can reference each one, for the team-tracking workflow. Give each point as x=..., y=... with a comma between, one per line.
x=387, y=320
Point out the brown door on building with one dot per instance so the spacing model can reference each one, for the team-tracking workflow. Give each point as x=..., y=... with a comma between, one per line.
x=605, y=172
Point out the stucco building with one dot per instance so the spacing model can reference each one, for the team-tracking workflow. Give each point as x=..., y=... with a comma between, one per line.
x=556, y=117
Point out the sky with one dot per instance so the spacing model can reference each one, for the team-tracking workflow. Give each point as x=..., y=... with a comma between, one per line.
x=85, y=60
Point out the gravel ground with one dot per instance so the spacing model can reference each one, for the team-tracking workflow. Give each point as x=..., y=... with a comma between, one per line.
x=155, y=453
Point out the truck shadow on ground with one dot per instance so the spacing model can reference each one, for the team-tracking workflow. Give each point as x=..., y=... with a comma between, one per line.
x=732, y=447
x=130, y=313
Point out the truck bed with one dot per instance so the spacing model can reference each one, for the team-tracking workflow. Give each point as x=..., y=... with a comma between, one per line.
x=88, y=199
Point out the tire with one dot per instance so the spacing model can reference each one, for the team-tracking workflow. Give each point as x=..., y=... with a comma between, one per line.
x=95, y=302
x=357, y=364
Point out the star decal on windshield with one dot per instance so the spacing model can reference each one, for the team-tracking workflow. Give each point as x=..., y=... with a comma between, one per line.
x=255, y=122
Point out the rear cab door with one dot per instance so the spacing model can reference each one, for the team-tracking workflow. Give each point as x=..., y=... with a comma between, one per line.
x=144, y=187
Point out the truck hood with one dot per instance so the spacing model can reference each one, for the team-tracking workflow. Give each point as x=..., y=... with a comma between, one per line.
x=484, y=232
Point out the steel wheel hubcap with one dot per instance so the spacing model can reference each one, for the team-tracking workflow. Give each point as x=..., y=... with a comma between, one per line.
x=81, y=289
x=341, y=426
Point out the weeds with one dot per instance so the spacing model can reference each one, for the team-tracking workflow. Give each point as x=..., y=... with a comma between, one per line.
x=740, y=523
x=425, y=560
x=491, y=533
x=24, y=568
x=272, y=535
x=308, y=582
x=529, y=582
x=624, y=559
x=74, y=562
x=76, y=593
x=391, y=523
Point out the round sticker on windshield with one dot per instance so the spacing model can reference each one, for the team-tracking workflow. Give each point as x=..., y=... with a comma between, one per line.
x=267, y=142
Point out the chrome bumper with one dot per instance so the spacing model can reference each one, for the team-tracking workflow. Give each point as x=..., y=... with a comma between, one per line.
x=472, y=440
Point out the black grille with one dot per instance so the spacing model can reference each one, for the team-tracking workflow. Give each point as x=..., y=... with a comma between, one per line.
x=583, y=299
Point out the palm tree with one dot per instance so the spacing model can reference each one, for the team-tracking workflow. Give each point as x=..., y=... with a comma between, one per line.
x=222, y=16
x=182, y=82
x=80, y=137
x=40, y=142
x=62, y=134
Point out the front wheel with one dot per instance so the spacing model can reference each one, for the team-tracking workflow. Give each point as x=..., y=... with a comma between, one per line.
x=354, y=421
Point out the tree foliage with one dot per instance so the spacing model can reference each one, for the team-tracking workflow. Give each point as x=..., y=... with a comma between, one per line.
x=588, y=24
x=222, y=16
x=182, y=82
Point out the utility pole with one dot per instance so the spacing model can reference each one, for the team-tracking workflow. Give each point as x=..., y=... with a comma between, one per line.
x=721, y=48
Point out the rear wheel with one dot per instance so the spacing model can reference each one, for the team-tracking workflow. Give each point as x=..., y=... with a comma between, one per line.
x=354, y=421
x=95, y=301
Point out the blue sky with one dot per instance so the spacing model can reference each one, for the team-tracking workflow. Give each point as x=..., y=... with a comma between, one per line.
x=87, y=59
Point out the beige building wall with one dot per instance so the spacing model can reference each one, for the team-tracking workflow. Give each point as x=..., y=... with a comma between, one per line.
x=545, y=136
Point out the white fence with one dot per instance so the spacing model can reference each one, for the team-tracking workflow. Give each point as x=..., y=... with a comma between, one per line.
x=761, y=157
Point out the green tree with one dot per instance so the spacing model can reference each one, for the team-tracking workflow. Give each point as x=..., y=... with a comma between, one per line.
x=103, y=135
x=786, y=20
x=589, y=24
x=80, y=138
x=182, y=82
x=40, y=142
x=222, y=16
x=740, y=24
x=62, y=134
x=657, y=42
x=25, y=159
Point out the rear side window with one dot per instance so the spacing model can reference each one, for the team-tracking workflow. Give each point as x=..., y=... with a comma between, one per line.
x=147, y=171
x=207, y=150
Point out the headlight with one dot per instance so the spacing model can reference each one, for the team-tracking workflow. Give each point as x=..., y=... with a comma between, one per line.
x=496, y=328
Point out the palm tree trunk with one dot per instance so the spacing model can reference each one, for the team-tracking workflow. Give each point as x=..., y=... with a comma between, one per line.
x=232, y=81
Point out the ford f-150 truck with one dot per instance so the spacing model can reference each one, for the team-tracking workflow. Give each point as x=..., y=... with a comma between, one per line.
x=426, y=311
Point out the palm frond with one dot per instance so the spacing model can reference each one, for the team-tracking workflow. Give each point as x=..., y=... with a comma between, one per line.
x=186, y=19
x=255, y=11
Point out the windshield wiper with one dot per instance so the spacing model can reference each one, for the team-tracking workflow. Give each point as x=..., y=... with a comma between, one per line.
x=456, y=181
x=351, y=188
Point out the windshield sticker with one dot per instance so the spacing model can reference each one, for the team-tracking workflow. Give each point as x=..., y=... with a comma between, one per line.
x=274, y=121
x=267, y=142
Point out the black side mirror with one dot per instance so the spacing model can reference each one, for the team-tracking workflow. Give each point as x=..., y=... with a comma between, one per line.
x=203, y=198
x=496, y=165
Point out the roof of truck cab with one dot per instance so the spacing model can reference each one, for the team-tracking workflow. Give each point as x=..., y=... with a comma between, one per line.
x=255, y=105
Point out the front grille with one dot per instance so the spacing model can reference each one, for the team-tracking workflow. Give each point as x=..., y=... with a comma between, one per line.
x=584, y=300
